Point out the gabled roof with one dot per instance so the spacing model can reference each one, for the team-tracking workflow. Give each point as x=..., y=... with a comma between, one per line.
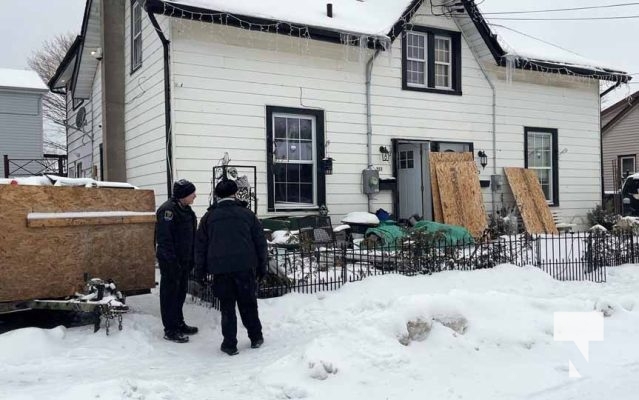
x=506, y=47
x=64, y=73
x=377, y=22
x=619, y=110
x=21, y=79
x=77, y=69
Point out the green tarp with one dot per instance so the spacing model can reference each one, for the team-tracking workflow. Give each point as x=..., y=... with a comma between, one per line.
x=390, y=234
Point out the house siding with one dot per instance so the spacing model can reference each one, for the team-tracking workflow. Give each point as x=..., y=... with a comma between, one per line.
x=83, y=144
x=20, y=126
x=225, y=77
x=620, y=139
x=144, y=109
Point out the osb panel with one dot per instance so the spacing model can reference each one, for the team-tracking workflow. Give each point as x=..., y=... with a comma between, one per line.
x=461, y=198
x=437, y=158
x=51, y=262
x=531, y=201
x=59, y=222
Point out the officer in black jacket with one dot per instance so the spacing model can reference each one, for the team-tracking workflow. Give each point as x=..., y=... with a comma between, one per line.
x=175, y=237
x=230, y=244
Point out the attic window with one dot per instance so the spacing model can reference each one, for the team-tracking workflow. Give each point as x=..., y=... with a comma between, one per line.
x=136, y=35
x=431, y=60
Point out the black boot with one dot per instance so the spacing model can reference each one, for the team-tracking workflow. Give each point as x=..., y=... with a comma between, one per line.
x=188, y=330
x=231, y=351
x=176, y=337
x=257, y=343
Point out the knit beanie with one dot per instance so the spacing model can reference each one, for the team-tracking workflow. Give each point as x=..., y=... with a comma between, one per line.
x=225, y=188
x=182, y=189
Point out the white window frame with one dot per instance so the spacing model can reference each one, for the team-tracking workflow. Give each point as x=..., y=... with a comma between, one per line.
x=532, y=141
x=634, y=164
x=424, y=61
x=449, y=64
x=136, y=35
x=278, y=205
x=79, y=173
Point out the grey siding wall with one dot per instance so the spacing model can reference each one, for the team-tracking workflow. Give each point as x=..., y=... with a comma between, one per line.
x=20, y=125
x=621, y=140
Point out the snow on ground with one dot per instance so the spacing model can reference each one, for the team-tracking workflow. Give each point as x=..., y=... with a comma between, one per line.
x=345, y=345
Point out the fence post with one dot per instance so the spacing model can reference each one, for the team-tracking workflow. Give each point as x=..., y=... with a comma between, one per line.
x=60, y=166
x=6, y=165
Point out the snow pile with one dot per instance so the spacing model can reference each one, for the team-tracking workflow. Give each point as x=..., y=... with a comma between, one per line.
x=54, y=180
x=485, y=334
x=362, y=218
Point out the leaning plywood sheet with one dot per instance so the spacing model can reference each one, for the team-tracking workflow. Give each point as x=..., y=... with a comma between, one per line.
x=461, y=198
x=437, y=158
x=52, y=236
x=531, y=201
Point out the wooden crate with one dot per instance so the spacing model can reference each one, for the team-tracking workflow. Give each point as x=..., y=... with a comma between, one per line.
x=48, y=257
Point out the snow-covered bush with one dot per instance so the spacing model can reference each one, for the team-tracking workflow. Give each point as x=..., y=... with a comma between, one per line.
x=605, y=217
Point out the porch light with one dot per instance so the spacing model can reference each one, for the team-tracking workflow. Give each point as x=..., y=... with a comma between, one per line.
x=483, y=158
x=328, y=166
x=385, y=153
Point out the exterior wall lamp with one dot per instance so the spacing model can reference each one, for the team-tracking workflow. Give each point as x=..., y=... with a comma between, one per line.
x=385, y=153
x=483, y=158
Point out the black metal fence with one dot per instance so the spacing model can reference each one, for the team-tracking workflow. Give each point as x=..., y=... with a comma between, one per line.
x=50, y=164
x=306, y=268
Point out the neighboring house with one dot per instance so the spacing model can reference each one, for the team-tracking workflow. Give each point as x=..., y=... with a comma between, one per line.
x=284, y=84
x=620, y=137
x=21, y=94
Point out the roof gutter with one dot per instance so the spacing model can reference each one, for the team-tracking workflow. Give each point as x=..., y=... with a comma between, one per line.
x=167, y=100
x=610, y=89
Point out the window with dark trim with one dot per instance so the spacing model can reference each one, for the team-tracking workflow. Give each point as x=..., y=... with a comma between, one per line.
x=295, y=150
x=136, y=35
x=431, y=60
x=540, y=155
x=627, y=164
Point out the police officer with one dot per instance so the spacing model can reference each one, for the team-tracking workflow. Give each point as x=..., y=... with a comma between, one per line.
x=230, y=244
x=175, y=234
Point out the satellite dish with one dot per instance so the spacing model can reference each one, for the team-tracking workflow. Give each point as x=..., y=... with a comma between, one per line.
x=81, y=118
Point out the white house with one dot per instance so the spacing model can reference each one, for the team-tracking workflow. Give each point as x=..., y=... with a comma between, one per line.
x=283, y=84
x=21, y=94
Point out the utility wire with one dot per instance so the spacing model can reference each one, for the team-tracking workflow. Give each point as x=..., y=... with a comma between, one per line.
x=563, y=19
x=561, y=9
x=536, y=38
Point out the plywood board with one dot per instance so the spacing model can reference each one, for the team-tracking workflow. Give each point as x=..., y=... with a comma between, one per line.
x=531, y=201
x=51, y=261
x=437, y=158
x=461, y=198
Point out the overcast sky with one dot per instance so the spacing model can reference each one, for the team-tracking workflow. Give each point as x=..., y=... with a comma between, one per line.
x=25, y=24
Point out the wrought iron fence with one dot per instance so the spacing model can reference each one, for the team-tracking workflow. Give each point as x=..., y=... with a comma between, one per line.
x=307, y=268
x=49, y=164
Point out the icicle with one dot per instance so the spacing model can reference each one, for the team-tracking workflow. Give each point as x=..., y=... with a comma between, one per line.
x=510, y=68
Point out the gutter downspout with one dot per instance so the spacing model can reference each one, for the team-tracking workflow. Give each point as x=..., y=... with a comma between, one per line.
x=369, y=121
x=494, y=116
x=167, y=102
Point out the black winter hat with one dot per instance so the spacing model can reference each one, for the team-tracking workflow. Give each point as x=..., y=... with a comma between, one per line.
x=225, y=188
x=182, y=188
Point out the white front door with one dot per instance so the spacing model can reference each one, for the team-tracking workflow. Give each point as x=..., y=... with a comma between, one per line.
x=413, y=178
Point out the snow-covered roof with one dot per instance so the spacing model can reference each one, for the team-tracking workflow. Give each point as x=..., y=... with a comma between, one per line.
x=526, y=47
x=21, y=79
x=365, y=17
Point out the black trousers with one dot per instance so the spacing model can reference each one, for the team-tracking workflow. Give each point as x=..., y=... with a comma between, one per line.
x=173, y=287
x=237, y=288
